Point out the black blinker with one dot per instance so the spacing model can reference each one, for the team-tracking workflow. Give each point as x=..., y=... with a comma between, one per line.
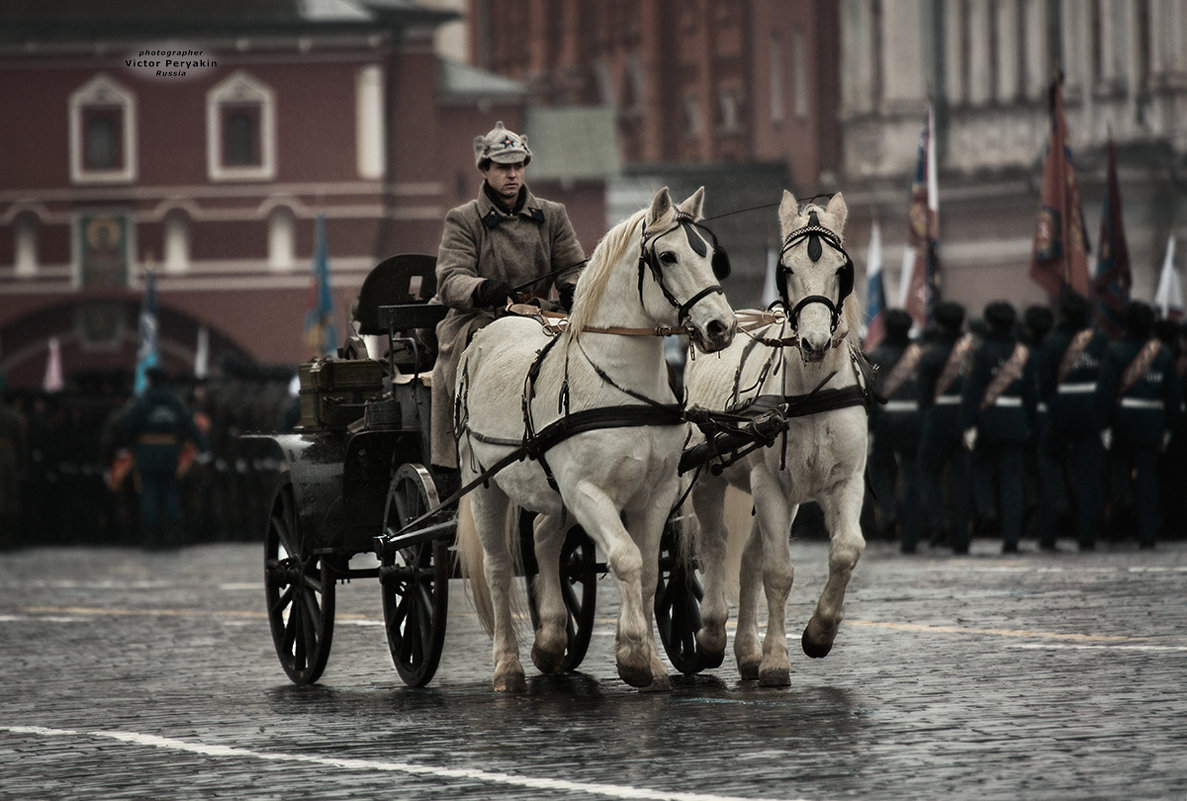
x=694, y=240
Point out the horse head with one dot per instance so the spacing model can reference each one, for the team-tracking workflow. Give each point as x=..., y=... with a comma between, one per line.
x=685, y=263
x=815, y=275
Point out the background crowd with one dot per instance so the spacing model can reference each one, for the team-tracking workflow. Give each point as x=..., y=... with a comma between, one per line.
x=63, y=476
x=1063, y=451
x=1036, y=425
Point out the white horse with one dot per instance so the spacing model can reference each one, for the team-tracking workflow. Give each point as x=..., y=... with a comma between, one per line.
x=650, y=275
x=821, y=456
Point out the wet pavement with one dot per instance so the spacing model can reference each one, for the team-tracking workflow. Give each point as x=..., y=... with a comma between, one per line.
x=151, y=675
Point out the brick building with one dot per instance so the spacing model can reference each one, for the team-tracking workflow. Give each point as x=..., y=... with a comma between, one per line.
x=202, y=141
x=738, y=95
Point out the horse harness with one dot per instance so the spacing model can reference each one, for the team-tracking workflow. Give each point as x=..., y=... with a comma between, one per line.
x=814, y=233
x=536, y=442
x=649, y=259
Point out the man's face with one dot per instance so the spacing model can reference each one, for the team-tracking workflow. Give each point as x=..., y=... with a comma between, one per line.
x=505, y=179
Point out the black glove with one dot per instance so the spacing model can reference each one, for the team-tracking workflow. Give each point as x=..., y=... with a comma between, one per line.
x=492, y=293
x=566, y=293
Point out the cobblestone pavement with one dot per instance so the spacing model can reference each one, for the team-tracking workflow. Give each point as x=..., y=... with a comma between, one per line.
x=137, y=675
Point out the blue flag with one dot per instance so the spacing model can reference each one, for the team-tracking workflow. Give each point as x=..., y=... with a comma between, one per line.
x=319, y=320
x=148, y=355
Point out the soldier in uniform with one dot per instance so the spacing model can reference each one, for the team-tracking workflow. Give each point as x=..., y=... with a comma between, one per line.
x=13, y=453
x=1046, y=501
x=943, y=459
x=1069, y=363
x=504, y=238
x=158, y=425
x=998, y=413
x=894, y=431
x=1140, y=384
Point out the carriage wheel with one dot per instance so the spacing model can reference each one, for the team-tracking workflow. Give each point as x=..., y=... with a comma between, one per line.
x=678, y=598
x=414, y=581
x=579, y=588
x=299, y=589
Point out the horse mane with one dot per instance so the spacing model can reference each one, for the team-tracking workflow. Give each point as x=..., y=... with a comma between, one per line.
x=592, y=284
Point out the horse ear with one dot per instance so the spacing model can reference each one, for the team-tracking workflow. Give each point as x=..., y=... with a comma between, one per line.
x=694, y=204
x=838, y=211
x=789, y=209
x=661, y=204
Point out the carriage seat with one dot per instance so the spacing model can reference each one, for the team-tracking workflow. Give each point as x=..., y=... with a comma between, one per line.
x=394, y=299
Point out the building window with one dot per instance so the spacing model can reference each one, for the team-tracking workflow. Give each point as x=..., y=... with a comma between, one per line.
x=692, y=117
x=240, y=130
x=102, y=133
x=372, y=161
x=25, y=244
x=729, y=105
x=799, y=74
x=241, y=136
x=177, y=242
x=281, y=239
x=775, y=63
x=102, y=130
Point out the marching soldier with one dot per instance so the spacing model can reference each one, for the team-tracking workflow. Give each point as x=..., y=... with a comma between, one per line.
x=1069, y=365
x=159, y=425
x=1140, y=383
x=998, y=412
x=894, y=430
x=942, y=373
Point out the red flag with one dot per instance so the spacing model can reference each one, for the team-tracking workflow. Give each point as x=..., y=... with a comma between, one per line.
x=1113, y=278
x=1061, y=244
x=919, y=290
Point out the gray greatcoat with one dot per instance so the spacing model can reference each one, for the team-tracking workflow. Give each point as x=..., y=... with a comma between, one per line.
x=482, y=241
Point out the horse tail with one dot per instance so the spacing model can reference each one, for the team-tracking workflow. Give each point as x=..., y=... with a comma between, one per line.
x=471, y=560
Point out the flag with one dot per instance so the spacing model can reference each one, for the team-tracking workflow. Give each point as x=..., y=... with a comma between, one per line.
x=202, y=353
x=148, y=355
x=770, y=291
x=875, y=291
x=53, y=381
x=920, y=281
x=1113, y=278
x=1060, y=255
x=1168, y=299
x=319, y=320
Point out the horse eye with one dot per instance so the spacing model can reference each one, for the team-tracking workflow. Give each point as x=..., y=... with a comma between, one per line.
x=667, y=257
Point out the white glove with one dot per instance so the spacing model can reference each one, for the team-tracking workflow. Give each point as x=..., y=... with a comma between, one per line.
x=1106, y=438
x=1166, y=439
x=970, y=438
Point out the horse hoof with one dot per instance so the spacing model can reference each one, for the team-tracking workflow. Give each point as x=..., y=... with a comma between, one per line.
x=547, y=661
x=775, y=677
x=510, y=683
x=711, y=641
x=817, y=648
x=748, y=669
x=659, y=684
x=708, y=660
x=636, y=677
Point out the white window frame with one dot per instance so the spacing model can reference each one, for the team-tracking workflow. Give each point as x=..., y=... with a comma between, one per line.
x=102, y=92
x=240, y=89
